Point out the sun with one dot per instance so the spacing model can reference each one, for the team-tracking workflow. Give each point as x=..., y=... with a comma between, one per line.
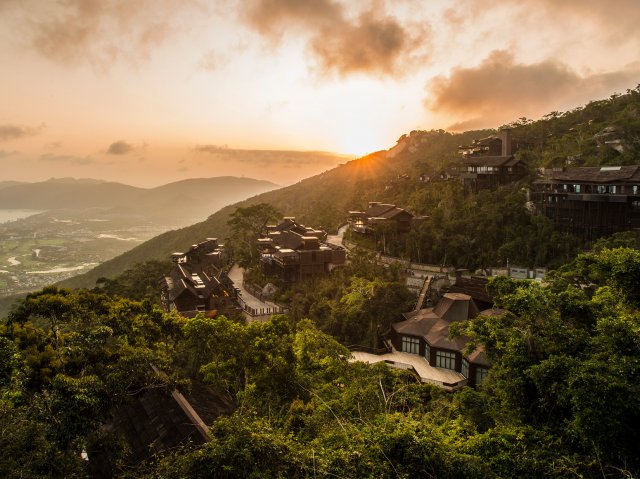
x=361, y=143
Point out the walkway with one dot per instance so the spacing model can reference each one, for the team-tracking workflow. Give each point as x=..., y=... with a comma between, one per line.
x=252, y=306
x=337, y=239
x=445, y=378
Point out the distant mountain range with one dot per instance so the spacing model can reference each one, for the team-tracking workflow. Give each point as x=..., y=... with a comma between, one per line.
x=191, y=200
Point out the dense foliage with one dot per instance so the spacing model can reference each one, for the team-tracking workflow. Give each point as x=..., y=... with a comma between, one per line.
x=561, y=399
x=66, y=360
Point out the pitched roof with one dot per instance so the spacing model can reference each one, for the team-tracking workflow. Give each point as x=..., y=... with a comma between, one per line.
x=475, y=286
x=597, y=174
x=456, y=307
x=379, y=209
x=433, y=324
x=491, y=161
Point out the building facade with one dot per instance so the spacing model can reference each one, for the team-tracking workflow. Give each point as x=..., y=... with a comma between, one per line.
x=590, y=202
x=489, y=163
x=197, y=282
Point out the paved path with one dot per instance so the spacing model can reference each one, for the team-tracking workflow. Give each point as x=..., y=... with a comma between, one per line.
x=236, y=275
x=337, y=239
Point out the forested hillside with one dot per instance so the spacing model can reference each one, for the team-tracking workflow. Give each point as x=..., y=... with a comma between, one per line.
x=466, y=231
x=560, y=400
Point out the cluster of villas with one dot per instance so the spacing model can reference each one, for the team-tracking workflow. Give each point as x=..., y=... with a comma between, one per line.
x=197, y=282
x=294, y=252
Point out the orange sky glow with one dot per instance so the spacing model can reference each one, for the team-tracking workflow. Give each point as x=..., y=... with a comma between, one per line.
x=151, y=91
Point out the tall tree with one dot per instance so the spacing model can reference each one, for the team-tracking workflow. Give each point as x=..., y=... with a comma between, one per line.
x=246, y=225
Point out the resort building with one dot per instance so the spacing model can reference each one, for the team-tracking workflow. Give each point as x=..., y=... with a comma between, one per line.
x=294, y=252
x=197, y=282
x=489, y=163
x=378, y=214
x=590, y=202
x=421, y=343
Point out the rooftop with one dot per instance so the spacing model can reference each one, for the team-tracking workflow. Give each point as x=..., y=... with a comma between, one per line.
x=596, y=174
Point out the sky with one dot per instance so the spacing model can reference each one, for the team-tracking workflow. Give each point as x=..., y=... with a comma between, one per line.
x=151, y=91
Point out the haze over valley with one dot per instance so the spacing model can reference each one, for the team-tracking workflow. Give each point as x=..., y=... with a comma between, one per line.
x=61, y=227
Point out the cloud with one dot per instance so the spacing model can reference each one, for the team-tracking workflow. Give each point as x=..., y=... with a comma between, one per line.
x=74, y=160
x=210, y=148
x=500, y=89
x=616, y=20
x=120, y=148
x=371, y=42
x=212, y=61
x=100, y=32
x=7, y=153
x=15, y=132
x=268, y=158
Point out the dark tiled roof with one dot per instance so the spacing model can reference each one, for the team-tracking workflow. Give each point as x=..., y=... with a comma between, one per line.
x=378, y=210
x=478, y=357
x=160, y=420
x=456, y=307
x=475, y=286
x=491, y=161
x=393, y=213
x=596, y=174
x=432, y=324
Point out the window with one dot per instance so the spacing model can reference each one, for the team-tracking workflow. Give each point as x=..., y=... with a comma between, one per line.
x=465, y=368
x=612, y=189
x=634, y=189
x=576, y=188
x=602, y=189
x=410, y=345
x=446, y=360
x=427, y=352
x=481, y=373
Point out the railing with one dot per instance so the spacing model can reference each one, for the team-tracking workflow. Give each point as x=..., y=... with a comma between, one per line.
x=269, y=310
x=368, y=349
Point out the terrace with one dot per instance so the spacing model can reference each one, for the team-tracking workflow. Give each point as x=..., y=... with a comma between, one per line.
x=445, y=378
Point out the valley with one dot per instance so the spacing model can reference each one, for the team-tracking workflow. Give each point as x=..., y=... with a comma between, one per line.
x=51, y=246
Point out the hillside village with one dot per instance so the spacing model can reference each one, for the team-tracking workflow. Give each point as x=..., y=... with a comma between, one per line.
x=462, y=303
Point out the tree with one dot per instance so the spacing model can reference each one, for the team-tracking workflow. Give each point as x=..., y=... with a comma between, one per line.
x=246, y=225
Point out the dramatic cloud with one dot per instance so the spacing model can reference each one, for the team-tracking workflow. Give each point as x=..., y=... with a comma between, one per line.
x=15, y=132
x=618, y=20
x=500, y=90
x=371, y=42
x=100, y=32
x=74, y=160
x=120, y=148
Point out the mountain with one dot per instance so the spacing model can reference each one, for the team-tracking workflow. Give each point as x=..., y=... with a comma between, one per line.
x=391, y=176
x=67, y=193
x=6, y=184
x=185, y=201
